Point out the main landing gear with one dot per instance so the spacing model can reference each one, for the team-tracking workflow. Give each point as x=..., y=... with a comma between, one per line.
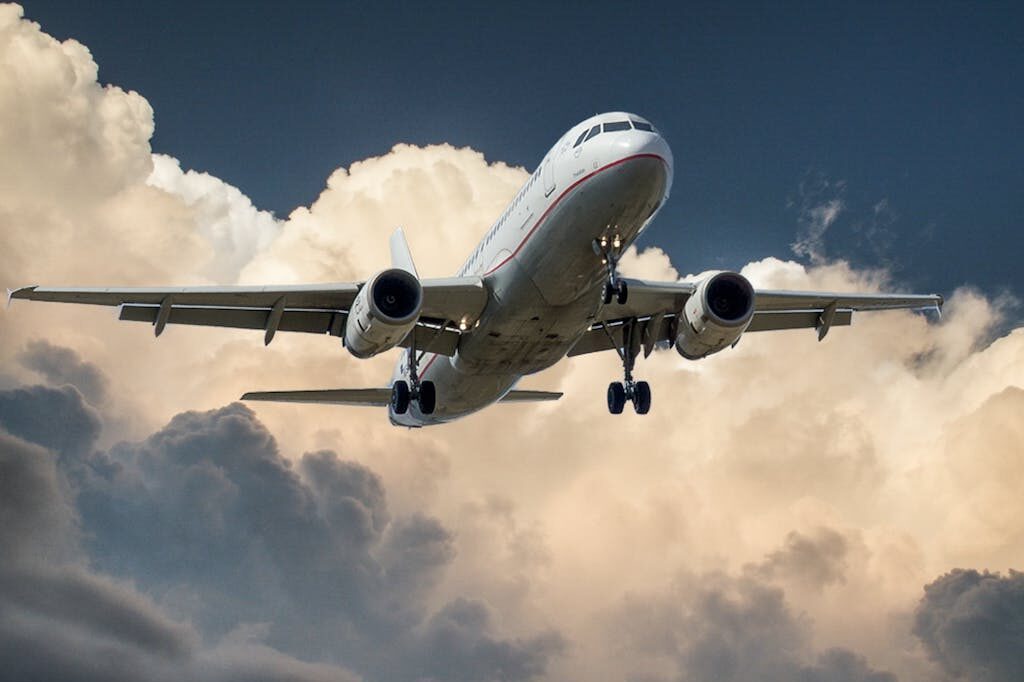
x=423, y=392
x=610, y=252
x=637, y=392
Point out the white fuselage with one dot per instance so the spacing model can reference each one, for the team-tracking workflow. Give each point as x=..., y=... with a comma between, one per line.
x=538, y=262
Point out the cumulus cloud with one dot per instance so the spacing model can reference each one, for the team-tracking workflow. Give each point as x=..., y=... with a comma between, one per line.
x=226, y=218
x=716, y=627
x=972, y=624
x=781, y=507
x=62, y=366
x=816, y=559
x=207, y=517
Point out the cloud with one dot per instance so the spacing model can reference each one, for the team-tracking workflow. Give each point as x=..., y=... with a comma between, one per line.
x=716, y=627
x=225, y=217
x=62, y=366
x=57, y=418
x=818, y=203
x=972, y=624
x=816, y=559
x=203, y=515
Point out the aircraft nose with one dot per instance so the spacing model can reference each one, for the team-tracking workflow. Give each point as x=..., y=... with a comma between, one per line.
x=639, y=143
x=643, y=143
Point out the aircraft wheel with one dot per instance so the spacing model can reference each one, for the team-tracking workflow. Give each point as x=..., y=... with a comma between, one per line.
x=428, y=397
x=621, y=292
x=400, y=397
x=642, y=397
x=616, y=397
x=608, y=293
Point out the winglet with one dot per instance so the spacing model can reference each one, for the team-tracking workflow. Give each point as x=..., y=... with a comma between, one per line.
x=401, y=256
x=13, y=293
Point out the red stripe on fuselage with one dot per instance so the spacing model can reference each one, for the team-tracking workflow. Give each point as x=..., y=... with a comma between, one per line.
x=561, y=196
x=550, y=208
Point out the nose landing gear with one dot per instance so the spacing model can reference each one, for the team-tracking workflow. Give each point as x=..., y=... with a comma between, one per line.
x=610, y=252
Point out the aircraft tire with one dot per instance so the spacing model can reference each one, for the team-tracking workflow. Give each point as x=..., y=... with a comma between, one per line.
x=400, y=397
x=642, y=397
x=616, y=397
x=428, y=397
x=608, y=293
x=622, y=293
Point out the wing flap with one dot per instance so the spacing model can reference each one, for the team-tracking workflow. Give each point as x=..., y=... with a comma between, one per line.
x=430, y=338
x=311, y=321
x=795, y=319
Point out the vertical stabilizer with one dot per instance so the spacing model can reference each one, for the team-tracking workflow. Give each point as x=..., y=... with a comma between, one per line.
x=401, y=256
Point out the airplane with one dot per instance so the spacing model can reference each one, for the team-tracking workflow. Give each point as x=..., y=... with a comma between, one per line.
x=543, y=284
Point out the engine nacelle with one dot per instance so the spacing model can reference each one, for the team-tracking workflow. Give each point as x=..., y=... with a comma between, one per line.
x=384, y=311
x=715, y=316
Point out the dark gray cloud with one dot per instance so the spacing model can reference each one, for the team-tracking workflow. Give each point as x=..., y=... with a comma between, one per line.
x=38, y=521
x=814, y=560
x=458, y=647
x=56, y=418
x=972, y=624
x=60, y=366
x=58, y=620
x=721, y=628
x=214, y=531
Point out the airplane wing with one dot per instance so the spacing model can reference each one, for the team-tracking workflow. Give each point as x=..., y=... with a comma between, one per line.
x=655, y=307
x=315, y=308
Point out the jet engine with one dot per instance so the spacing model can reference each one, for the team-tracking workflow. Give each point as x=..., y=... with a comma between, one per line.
x=384, y=311
x=715, y=316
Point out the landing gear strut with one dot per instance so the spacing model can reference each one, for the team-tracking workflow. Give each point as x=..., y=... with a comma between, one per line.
x=610, y=252
x=637, y=392
x=423, y=392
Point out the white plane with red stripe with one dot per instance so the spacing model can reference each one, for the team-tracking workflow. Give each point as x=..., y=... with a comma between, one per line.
x=541, y=285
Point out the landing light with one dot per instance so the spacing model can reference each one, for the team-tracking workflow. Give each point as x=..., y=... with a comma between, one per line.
x=463, y=326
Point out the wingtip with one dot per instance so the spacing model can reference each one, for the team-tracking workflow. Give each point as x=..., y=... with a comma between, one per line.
x=14, y=293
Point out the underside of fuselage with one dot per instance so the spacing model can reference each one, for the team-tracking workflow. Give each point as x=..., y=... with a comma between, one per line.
x=545, y=295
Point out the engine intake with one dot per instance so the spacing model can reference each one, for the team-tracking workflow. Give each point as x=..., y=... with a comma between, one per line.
x=715, y=316
x=384, y=311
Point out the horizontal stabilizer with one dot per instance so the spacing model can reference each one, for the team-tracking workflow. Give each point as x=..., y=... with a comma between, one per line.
x=372, y=396
x=337, y=396
x=530, y=396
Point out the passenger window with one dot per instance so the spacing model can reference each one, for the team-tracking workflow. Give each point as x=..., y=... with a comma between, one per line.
x=579, y=140
x=640, y=125
x=616, y=126
x=596, y=130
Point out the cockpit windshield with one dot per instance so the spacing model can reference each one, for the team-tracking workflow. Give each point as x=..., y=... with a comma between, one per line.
x=612, y=127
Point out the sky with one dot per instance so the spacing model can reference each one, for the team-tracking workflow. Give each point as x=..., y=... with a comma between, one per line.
x=838, y=511
x=909, y=114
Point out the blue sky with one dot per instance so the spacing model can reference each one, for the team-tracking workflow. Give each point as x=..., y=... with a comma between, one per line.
x=909, y=114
